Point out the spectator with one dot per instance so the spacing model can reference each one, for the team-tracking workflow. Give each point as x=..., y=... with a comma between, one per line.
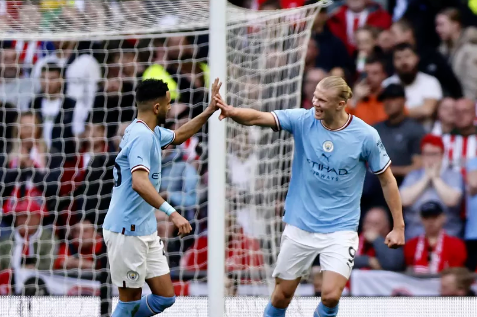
x=461, y=143
x=59, y=56
x=242, y=252
x=312, y=78
x=353, y=14
x=15, y=87
x=55, y=111
x=180, y=180
x=31, y=245
x=422, y=91
x=399, y=133
x=433, y=182
x=84, y=251
x=431, y=61
x=459, y=47
x=456, y=281
x=365, y=104
x=435, y=250
x=471, y=207
x=332, y=51
x=113, y=105
x=311, y=55
x=372, y=252
x=445, y=122
x=8, y=117
x=366, y=44
x=181, y=74
x=29, y=163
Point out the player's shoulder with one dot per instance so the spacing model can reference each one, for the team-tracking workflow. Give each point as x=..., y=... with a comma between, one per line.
x=361, y=129
x=139, y=128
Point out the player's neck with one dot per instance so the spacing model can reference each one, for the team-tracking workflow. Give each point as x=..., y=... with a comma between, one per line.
x=151, y=122
x=336, y=122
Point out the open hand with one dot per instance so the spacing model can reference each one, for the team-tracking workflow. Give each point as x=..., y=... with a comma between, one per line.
x=181, y=223
x=215, y=91
x=226, y=110
x=395, y=238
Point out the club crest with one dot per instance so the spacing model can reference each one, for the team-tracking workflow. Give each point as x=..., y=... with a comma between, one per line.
x=133, y=276
x=328, y=146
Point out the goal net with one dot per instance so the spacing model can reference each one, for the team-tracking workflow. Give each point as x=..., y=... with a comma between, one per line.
x=68, y=70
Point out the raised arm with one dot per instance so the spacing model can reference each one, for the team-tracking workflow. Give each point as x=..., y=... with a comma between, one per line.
x=245, y=116
x=193, y=126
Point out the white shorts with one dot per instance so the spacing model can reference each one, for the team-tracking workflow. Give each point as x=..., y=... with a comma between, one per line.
x=133, y=259
x=299, y=249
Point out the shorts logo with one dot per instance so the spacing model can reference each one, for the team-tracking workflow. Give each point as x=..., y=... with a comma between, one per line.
x=133, y=276
x=328, y=146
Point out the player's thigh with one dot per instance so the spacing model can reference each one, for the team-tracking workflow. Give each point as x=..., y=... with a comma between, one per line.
x=294, y=259
x=157, y=269
x=338, y=253
x=127, y=257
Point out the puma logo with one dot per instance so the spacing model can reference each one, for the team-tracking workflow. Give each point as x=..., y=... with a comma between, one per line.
x=326, y=157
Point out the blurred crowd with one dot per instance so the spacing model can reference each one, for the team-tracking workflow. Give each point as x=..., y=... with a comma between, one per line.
x=64, y=106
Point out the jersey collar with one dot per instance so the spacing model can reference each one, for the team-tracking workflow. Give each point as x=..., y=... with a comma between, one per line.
x=350, y=117
x=140, y=121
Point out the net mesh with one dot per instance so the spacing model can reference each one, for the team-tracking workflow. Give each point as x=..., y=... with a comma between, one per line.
x=68, y=70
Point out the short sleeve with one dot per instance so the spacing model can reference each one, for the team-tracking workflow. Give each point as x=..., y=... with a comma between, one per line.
x=287, y=119
x=166, y=136
x=433, y=89
x=472, y=164
x=375, y=153
x=139, y=155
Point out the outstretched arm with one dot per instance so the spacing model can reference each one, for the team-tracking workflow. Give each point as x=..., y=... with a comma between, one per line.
x=245, y=116
x=194, y=125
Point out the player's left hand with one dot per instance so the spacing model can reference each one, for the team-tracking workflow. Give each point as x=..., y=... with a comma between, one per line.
x=181, y=223
x=395, y=238
x=215, y=90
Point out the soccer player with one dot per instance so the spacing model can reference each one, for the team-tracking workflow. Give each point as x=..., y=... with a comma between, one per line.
x=136, y=254
x=322, y=208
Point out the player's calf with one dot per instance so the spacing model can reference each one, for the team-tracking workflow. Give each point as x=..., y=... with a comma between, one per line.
x=154, y=304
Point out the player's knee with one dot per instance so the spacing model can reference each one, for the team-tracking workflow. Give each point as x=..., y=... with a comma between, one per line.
x=282, y=297
x=330, y=296
x=159, y=303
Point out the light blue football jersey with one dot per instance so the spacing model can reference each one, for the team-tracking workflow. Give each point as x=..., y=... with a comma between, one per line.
x=328, y=170
x=140, y=148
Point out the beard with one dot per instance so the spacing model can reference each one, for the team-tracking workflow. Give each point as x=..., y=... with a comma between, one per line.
x=407, y=77
x=160, y=119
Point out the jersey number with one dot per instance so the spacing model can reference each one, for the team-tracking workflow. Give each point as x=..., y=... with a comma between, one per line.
x=352, y=254
x=117, y=181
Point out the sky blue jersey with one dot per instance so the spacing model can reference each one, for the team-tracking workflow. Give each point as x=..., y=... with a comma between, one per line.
x=140, y=148
x=328, y=170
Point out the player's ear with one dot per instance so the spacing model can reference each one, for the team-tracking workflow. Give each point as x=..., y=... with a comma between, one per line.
x=156, y=108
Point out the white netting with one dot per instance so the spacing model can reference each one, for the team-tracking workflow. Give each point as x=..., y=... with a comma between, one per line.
x=67, y=79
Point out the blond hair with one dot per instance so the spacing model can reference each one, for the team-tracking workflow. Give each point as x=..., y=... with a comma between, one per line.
x=343, y=91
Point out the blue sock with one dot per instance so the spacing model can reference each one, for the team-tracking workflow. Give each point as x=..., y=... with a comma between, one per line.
x=271, y=311
x=126, y=309
x=324, y=311
x=154, y=304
